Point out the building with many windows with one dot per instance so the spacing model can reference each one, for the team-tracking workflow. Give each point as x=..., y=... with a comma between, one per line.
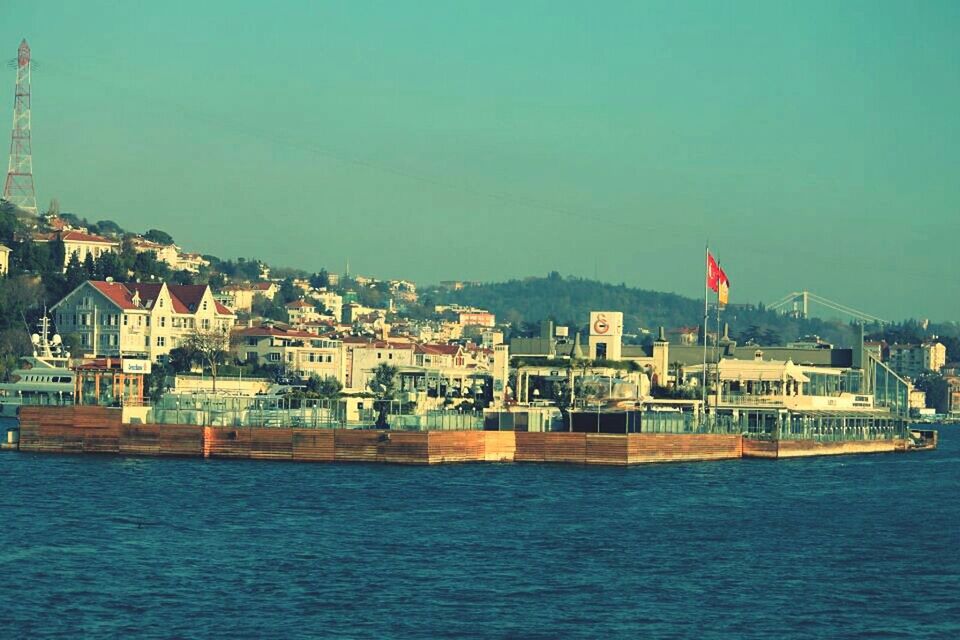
x=914, y=360
x=295, y=352
x=80, y=244
x=137, y=319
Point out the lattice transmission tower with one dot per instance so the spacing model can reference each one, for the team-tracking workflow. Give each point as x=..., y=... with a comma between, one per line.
x=18, y=187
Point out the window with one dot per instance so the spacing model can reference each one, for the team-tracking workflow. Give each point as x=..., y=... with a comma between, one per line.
x=148, y=321
x=161, y=303
x=274, y=357
x=163, y=321
x=85, y=339
x=161, y=341
x=125, y=318
x=205, y=323
x=204, y=305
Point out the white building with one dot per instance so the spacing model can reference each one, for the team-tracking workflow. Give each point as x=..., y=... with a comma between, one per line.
x=914, y=360
x=4, y=260
x=332, y=302
x=139, y=319
x=241, y=295
x=80, y=244
x=297, y=352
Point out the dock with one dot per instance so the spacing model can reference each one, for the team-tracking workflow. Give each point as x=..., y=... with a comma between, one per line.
x=101, y=430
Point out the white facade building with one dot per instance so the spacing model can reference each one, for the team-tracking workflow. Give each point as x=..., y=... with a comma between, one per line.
x=139, y=319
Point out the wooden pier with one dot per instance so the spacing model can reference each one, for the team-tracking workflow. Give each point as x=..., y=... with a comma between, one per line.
x=88, y=429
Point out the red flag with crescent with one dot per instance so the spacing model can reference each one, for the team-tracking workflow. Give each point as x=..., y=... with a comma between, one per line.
x=713, y=273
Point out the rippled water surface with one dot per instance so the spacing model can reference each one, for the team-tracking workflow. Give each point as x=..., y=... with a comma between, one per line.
x=861, y=546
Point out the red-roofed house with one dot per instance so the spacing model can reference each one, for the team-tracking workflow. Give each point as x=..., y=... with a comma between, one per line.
x=299, y=352
x=79, y=243
x=138, y=318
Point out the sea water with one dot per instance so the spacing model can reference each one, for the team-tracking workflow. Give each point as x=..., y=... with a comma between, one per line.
x=854, y=546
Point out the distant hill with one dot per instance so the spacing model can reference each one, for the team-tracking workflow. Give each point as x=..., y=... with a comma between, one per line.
x=568, y=301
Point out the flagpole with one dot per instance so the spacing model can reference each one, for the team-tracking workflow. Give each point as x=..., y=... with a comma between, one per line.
x=706, y=314
x=719, y=354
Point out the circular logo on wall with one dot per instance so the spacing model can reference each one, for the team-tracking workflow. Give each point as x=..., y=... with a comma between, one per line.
x=600, y=325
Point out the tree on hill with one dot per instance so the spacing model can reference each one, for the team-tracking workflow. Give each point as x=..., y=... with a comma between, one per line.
x=158, y=236
x=108, y=265
x=76, y=273
x=107, y=227
x=320, y=280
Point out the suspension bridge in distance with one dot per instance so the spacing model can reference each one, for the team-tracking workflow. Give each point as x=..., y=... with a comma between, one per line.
x=797, y=304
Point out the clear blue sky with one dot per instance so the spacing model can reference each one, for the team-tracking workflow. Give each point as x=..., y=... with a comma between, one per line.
x=815, y=143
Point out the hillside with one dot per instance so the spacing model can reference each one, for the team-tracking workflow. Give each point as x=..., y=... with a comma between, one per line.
x=568, y=301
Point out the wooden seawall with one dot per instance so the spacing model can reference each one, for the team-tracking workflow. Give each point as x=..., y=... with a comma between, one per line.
x=82, y=429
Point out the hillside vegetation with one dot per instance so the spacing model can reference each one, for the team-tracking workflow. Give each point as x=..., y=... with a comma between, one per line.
x=569, y=301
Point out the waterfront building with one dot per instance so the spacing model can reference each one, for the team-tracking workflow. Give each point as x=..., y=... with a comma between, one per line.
x=137, y=319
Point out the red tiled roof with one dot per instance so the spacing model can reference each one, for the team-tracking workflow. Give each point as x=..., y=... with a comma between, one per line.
x=185, y=298
x=116, y=292
x=79, y=236
x=439, y=349
x=148, y=291
x=298, y=304
x=189, y=295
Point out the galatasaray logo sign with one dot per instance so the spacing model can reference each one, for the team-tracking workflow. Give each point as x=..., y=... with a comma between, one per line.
x=600, y=325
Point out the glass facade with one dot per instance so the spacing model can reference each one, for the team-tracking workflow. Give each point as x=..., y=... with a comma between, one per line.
x=889, y=389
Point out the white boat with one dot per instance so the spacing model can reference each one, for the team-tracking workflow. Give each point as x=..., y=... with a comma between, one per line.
x=44, y=379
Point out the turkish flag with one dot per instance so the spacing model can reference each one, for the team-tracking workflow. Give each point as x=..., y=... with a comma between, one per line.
x=713, y=273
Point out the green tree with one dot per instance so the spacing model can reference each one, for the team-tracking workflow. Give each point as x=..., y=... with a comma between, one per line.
x=181, y=359
x=107, y=227
x=324, y=387
x=89, y=266
x=288, y=291
x=320, y=280
x=158, y=236
x=384, y=388
x=76, y=274
x=108, y=265
x=937, y=390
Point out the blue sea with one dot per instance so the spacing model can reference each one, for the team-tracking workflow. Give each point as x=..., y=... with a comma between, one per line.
x=845, y=547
